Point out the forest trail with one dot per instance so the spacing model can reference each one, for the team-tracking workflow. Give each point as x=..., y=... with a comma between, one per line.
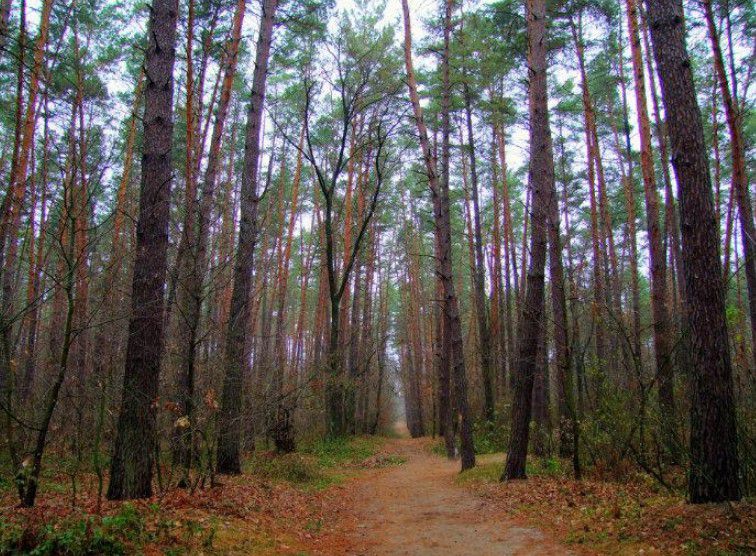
x=416, y=508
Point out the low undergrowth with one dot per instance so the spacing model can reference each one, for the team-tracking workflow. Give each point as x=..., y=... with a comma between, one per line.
x=277, y=506
x=332, y=452
x=629, y=517
x=320, y=464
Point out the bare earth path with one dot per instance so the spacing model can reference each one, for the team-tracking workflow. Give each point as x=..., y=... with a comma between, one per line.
x=416, y=508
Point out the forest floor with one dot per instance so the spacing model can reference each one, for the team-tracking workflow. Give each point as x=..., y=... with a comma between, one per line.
x=375, y=496
x=425, y=506
x=417, y=508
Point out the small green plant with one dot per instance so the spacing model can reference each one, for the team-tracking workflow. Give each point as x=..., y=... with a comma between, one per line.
x=314, y=525
x=79, y=537
x=671, y=523
x=117, y=534
x=548, y=467
x=439, y=448
x=209, y=538
x=490, y=437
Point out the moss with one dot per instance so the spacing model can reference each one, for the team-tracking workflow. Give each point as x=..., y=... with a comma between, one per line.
x=482, y=473
x=342, y=451
x=318, y=464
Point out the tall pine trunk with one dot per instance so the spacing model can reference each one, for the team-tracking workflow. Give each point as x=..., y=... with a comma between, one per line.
x=484, y=332
x=136, y=439
x=541, y=180
x=452, y=356
x=657, y=255
x=230, y=421
x=713, y=440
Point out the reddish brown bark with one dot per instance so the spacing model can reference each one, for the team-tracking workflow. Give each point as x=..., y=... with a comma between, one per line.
x=510, y=255
x=628, y=186
x=599, y=295
x=13, y=202
x=740, y=189
x=658, y=264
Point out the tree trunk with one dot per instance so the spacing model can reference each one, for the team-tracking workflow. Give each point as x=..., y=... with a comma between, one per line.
x=12, y=205
x=230, y=425
x=451, y=360
x=629, y=192
x=190, y=294
x=541, y=414
x=510, y=255
x=559, y=311
x=283, y=282
x=541, y=180
x=597, y=244
x=484, y=333
x=657, y=256
x=498, y=310
x=713, y=441
x=29, y=487
x=740, y=187
x=131, y=466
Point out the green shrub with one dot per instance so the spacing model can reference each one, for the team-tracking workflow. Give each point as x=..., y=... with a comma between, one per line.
x=116, y=534
x=548, y=467
x=490, y=437
x=79, y=537
x=11, y=538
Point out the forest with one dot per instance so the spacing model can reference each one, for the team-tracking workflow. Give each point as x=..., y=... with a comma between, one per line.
x=288, y=276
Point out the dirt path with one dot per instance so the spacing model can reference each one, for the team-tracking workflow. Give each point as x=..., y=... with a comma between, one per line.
x=415, y=508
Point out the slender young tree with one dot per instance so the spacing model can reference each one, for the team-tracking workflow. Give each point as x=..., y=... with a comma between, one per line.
x=741, y=191
x=452, y=349
x=191, y=276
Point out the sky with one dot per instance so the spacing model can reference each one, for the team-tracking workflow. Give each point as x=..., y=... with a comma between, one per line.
x=419, y=9
x=394, y=7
